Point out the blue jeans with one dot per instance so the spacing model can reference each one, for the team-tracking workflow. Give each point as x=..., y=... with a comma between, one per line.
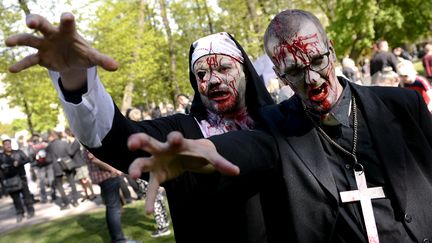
x=110, y=194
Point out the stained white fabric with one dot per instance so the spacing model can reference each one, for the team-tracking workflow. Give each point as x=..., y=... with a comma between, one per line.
x=92, y=118
x=219, y=43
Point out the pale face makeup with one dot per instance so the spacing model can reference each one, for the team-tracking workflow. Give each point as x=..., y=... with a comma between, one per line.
x=221, y=83
x=306, y=63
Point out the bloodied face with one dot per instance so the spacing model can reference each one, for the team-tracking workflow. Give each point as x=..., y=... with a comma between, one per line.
x=221, y=83
x=305, y=61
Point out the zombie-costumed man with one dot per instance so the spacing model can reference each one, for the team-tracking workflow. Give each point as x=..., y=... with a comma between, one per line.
x=352, y=163
x=228, y=95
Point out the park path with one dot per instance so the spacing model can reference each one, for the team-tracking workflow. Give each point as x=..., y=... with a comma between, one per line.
x=44, y=212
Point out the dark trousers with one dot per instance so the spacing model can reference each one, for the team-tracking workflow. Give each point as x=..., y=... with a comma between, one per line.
x=28, y=200
x=110, y=194
x=70, y=175
x=125, y=190
x=58, y=181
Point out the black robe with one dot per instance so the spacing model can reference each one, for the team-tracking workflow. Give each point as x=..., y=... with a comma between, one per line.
x=300, y=201
x=204, y=208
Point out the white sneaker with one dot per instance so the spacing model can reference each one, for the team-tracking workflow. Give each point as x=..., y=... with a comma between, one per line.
x=161, y=232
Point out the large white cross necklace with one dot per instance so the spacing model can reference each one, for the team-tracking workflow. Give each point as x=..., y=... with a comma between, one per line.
x=363, y=193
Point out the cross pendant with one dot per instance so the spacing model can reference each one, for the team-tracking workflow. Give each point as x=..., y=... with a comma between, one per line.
x=364, y=195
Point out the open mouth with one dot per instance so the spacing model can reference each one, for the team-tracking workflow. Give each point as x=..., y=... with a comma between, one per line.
x=318, y=94
x=218, y=95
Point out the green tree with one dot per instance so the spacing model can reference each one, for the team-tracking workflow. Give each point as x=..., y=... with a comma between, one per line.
x=31, y=91
x=141, y=52
x=351, y=26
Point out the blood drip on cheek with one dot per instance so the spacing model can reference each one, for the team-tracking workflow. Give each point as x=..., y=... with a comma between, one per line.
x=202, y=87
x=231, y=84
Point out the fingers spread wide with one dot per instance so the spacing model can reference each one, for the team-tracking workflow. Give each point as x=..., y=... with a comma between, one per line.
x=106, y=62
x=25, y=63
x=37, y=22
x=23, y=40
x=67, y=23
x=152, y=191
x=144, y=142
x=138, y=166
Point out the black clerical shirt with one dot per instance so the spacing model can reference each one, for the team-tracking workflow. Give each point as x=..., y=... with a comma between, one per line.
x=349, y=225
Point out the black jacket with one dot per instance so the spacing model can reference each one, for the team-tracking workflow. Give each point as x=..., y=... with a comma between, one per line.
x=55, y=150
x=301, y=199
x=7, y=163
x=383, y=59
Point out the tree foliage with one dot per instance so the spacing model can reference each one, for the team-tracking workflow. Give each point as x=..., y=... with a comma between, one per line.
x=30, y=90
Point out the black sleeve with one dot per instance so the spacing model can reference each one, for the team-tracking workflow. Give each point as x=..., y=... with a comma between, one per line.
x=23, y=158
x=73, y=148
x=114, y=150
x=254, y=152
x=73, y=96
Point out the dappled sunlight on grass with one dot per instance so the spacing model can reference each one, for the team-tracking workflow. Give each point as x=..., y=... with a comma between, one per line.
x=89, y=227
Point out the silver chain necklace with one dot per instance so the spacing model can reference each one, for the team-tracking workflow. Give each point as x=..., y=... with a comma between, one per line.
x=328, y=138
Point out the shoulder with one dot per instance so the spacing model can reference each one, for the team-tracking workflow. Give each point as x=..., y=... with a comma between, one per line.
x=393, y=97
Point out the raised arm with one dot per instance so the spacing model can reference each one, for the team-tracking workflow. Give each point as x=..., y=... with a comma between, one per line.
x=61, y=49
x=71, y=62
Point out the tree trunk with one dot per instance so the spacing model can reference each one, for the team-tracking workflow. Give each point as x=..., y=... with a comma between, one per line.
x=253, y=15
x=24, y=6
x=130, y=86
x=173, y=81
x=355, y=50
x=29, y=117
x=209, y=18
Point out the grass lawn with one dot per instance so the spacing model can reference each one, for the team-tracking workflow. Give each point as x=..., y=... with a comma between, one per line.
x=89, y=227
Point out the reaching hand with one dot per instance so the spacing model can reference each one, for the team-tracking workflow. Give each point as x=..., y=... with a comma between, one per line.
x=60, y=48
x=172, y=158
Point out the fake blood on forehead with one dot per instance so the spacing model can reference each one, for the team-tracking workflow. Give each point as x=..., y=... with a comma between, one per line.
x=212, y=61
x=300, y=48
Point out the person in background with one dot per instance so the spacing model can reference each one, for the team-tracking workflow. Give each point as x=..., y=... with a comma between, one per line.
x=12, y=163
x=411, y=80
x=350, y=70
x=427, y=62
x=82, y=174
x=399, y=52
x=387, y=77
x=44, y=169
x=382, y=58
x=57, y=149
x=184, y=104
x=108, y=178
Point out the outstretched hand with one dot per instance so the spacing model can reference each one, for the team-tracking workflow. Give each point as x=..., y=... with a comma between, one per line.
x=59, y=48
x=172, y=158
